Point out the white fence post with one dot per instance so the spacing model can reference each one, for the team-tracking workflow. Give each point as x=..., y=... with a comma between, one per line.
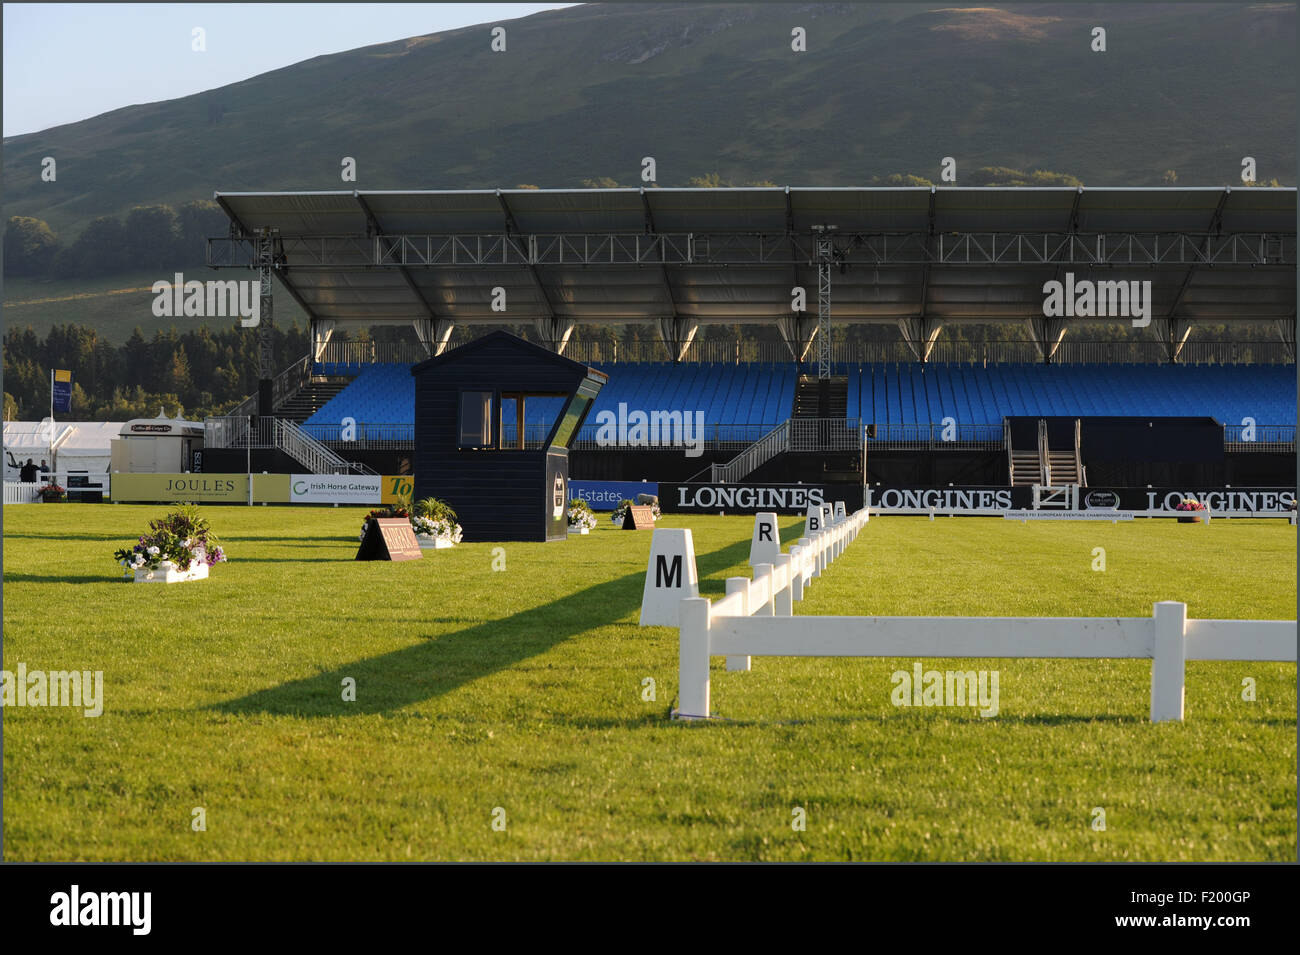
x=768, y=608
x=797, y=557
x=1167, y=661
x=693, y=659
x=783, y=602
x=739, y=585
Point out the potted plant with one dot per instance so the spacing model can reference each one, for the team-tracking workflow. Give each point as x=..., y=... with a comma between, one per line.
x=53, y=493
x=178, y=547
x=389, y=510
x=581, y=518
x=434, y=523
x=1190, y=511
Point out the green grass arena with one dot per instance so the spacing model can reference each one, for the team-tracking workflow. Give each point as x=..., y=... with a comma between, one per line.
x=522, y=690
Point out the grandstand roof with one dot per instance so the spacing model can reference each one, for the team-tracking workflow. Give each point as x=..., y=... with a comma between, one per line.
x=950, y=254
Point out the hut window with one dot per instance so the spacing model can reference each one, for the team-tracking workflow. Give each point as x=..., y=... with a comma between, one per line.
x=476, y=419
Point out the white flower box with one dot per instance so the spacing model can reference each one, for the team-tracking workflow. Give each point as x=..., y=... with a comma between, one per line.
x=575, y=529
x=168, y=573
x=434, y=543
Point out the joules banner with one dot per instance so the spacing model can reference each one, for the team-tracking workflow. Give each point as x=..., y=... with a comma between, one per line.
x=752, y=498
x=267, y=488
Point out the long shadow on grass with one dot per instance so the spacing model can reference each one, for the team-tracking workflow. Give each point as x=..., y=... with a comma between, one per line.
x=107, y=578
x=448, y=661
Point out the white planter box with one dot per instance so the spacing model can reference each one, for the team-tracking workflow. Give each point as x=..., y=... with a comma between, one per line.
x=579, y=530
x=433, y=543
x=167, y=573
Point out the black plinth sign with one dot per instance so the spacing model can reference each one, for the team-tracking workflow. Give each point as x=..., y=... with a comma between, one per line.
x=389, y=538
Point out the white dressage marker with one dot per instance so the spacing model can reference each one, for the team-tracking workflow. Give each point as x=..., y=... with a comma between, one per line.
x=840, y=513
x=813, y=522
x=670, y=576
x=766, y=542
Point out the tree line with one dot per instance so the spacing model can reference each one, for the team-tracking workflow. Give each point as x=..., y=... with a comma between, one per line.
x=150, y=237
x=196, y=373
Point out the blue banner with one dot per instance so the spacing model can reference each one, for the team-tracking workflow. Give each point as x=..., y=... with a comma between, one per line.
x=63, y=392
x=605, y=495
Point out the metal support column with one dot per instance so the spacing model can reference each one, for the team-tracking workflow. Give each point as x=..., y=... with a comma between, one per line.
x=265, y=338
x=825, y=253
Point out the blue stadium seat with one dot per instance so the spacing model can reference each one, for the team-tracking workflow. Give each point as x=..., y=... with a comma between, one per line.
x=759, y=396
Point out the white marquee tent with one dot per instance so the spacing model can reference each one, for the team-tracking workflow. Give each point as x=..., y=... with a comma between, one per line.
x=77, y=445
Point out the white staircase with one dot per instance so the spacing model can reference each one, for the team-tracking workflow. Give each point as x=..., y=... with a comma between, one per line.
x=1024, y=467
x=310, y=453
x=776, y=441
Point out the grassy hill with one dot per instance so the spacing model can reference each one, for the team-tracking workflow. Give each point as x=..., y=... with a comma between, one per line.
x=586, y=92
x=115, y=305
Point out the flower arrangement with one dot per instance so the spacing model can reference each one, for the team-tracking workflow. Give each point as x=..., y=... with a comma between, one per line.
x=1190, y=511
x=52, y=493
x=432, y=520
x=1189, y=504
x=436, y=521
x=180, y=546
x=391, y=510
x=621, y=511
x=581, y=518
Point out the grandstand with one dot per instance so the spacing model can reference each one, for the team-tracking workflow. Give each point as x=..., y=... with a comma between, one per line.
x=744, y=401
x=677, y=259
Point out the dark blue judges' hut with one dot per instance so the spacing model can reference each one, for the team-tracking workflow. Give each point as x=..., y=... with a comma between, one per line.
x=493, y=423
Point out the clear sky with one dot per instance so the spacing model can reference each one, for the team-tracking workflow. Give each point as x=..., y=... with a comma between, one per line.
x=68, y=62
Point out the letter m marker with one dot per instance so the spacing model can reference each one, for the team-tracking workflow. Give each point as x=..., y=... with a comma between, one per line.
x=670, y=576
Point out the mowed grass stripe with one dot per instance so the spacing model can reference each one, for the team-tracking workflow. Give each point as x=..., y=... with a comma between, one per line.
x=523, y=689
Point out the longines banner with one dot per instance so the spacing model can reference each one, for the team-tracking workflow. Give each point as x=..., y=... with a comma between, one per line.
x=1163, y=499
x=921, y=499
x=1157, y=499
x=752, y=498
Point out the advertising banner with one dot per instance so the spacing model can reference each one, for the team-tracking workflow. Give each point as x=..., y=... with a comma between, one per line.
x=921, y=499
x=395, y=486
x=1164, y=499
x=334, y=488
x=62, y=394
x=605, y=495
x=1158, y=500
x=752, y=498
x=232, y=488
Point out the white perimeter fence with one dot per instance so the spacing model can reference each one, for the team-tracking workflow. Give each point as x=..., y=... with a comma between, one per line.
x=26, y=492
x=756, y=619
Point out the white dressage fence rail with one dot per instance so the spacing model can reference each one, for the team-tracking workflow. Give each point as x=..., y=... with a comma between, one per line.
x=777, y=585
x=1168, y=638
